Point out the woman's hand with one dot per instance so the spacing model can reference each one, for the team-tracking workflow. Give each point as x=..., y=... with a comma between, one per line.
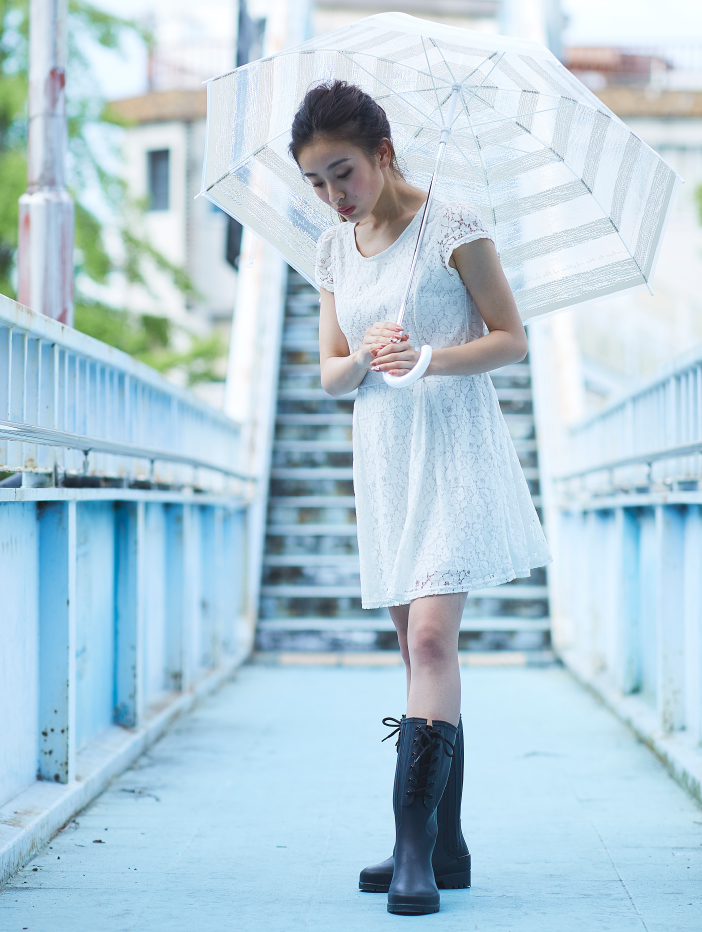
x=377, y=338
x=396, y=358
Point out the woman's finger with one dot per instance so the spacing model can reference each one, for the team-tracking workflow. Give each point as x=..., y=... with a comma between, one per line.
x=396, y=348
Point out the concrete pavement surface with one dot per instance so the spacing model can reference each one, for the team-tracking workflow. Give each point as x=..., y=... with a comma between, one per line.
x=257, y=811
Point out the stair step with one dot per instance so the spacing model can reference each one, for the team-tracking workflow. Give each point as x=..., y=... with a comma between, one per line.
x=517, y=370
x=310, y=472
x=312, y=501
x=309, y=530
x=302, y=346
x=513, y=394
x=346, y=446
x=489, y=623
x=315, y=420
x=311, y=446
x=302, y=368
x=312, y=592
x=343, y=561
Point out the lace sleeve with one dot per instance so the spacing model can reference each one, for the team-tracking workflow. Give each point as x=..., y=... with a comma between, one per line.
x=323, y=273
x=459, y=225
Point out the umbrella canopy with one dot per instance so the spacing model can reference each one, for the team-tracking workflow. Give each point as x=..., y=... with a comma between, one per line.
x=576, y=201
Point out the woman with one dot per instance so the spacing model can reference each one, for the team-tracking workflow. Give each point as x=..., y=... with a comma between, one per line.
x=442, y=504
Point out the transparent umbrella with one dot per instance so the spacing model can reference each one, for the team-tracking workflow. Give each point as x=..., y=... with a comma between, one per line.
x=576, y=201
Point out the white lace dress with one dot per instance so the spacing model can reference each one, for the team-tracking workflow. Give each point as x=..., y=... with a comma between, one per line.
x=441, y=500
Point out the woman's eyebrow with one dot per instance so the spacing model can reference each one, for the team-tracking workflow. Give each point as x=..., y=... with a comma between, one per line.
x=330, y=166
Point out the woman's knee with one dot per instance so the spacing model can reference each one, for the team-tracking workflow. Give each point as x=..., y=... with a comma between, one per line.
x=428, y=645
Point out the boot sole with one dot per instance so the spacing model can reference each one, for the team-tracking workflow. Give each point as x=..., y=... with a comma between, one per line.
x=459, y=881
x=412, y=909
x=373, y=887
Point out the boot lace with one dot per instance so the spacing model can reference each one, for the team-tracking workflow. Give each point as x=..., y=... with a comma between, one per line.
x=428, y=744
x=395, y=724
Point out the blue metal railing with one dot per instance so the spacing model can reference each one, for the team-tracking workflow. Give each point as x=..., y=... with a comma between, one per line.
x=68, y=393
x=122, y=567
x=626, y=583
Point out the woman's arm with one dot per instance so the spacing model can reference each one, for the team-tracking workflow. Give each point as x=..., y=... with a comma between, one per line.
x=479, y=267
x=341, y=370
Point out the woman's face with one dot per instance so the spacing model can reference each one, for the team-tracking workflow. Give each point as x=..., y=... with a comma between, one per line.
x=344, y=177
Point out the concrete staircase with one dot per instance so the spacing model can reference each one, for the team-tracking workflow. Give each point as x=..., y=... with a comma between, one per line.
x=311, y=596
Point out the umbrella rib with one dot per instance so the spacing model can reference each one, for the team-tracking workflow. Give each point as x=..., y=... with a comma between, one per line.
x=443, y=58
x=245, y=158
x=423, y=124
x=431, y=74
x=511, y=119
x=389, y=89
x=477, y=144
x=470, y=75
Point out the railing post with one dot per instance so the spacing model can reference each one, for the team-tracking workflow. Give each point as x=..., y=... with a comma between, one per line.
x=57, y=641
x=208, y=590
x=129, y=622
x=192, y=559
x=670, y=539
x=175, y=597
x=627, y=661
x=45, y=254
x=693, y=622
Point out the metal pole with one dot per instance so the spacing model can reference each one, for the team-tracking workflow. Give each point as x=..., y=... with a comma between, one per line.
x=45, y=255
x=443, y=141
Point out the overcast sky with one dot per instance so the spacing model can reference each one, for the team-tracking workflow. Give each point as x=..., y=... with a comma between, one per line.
x=590, y=21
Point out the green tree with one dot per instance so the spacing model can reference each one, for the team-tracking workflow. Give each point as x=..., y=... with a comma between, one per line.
x=146, y=337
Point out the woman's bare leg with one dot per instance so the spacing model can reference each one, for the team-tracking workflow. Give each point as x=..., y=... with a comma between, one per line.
x=432, y=647
x=400, y=618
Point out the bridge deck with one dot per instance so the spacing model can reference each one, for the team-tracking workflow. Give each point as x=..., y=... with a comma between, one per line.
x=257, y=811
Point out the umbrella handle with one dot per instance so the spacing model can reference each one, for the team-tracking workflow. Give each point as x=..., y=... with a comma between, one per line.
x=415, y=373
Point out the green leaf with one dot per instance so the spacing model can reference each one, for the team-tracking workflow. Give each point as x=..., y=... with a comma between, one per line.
x=697, y=194
x=94, y=261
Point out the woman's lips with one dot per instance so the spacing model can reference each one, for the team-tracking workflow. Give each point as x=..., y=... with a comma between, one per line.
x=346, y=210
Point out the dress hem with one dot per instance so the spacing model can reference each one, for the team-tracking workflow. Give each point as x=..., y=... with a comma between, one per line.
x=450, y=590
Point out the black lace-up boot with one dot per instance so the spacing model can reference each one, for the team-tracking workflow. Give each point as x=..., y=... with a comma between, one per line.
x=423, y=775
x=451, y=859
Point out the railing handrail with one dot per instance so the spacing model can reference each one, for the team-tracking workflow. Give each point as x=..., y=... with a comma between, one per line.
x=676, y=366
x=685, y=449
x=45, y=328
x=10, y=430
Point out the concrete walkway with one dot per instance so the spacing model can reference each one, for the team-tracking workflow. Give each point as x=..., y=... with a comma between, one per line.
x=256, y=812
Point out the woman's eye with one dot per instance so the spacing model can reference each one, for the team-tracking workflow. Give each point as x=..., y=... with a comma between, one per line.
x=318, y=185
x=343, y=177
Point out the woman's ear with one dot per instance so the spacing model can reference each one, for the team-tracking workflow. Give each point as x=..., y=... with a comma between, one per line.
x=384, y=153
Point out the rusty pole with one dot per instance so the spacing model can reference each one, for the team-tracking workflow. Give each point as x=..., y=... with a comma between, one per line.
x=45, y=255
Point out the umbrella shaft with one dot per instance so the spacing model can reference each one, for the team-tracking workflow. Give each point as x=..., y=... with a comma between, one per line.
x=445, y=133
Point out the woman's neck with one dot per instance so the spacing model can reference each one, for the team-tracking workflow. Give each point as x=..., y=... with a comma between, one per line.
x=398, y=201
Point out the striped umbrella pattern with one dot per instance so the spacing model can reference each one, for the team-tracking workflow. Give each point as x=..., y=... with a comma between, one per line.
x=578, y=204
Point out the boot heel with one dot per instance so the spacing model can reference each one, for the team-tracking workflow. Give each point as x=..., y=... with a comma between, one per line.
x=461, y=880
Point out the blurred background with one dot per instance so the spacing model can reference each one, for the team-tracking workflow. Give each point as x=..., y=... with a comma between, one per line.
x=157, y=270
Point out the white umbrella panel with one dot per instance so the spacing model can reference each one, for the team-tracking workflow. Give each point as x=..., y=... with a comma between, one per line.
x=577, y=202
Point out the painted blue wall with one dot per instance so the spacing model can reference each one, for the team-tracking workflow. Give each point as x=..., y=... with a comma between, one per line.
x=95, y=618
x=19, y=647
x=154, y=659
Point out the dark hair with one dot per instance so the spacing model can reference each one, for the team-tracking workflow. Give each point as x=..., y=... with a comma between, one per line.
x=342, y=111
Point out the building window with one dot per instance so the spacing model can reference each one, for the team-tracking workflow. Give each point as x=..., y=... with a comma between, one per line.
x=158, y=179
